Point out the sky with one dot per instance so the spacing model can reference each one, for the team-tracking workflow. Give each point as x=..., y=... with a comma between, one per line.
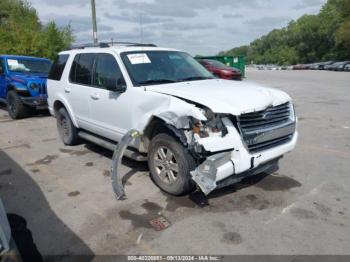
x=200, y=27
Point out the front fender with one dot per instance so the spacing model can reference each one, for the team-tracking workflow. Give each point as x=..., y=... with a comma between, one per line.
x=18, y=87
x=171, y=110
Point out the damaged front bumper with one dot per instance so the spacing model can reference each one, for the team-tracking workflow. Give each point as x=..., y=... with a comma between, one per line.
x=38, y=103
x=227, y=168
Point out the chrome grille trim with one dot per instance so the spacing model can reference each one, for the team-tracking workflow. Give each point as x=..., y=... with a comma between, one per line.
x=270, y=116
x=269, y=144
x=267, y=128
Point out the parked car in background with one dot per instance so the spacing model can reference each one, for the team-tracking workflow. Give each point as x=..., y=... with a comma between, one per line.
x=315, y=66
x=273, y=67
x=309, y=66
x=347, y=68
x=221, y=70
x=23, y=84
x=300, y=67
x=322, y=65
x=339, y=66
x=335, y=66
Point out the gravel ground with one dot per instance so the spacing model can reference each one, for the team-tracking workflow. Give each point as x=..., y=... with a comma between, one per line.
x=65, y=197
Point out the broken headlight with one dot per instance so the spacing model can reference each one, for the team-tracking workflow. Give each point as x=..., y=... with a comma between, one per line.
x=212, y=127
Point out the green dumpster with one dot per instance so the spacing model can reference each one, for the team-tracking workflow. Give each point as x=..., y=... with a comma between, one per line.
x=231, y=61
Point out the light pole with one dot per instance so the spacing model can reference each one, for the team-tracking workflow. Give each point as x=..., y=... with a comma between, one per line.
x=94, y=23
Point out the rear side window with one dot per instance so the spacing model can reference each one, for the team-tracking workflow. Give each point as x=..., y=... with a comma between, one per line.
x=81, y=71
x=58, y=66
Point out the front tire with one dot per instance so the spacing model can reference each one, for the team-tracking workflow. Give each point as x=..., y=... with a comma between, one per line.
x=15, y=107
x=170, y=165
x=66, y=129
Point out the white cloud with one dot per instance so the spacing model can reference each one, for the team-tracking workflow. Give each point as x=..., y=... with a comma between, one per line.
x=197, y=26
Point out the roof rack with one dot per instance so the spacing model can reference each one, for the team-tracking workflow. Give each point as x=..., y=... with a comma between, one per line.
x=109, y=44
x=118, y=43
x=89, y=45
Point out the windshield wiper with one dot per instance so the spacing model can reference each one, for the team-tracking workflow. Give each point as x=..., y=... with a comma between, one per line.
x=193, y=78
x=157, y=81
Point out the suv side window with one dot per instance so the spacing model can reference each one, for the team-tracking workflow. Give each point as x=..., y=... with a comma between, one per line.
x=81, y=71
x=107, y=72
x=58, y=66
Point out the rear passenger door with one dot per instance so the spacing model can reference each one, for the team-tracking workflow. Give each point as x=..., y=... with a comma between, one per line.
x=79, y=89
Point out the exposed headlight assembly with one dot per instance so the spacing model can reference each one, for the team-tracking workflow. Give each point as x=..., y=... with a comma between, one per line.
x=212, y=127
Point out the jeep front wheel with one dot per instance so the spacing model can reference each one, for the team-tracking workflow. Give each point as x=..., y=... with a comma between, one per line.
x=170, y=165
x=15, y=107
x=66, y=129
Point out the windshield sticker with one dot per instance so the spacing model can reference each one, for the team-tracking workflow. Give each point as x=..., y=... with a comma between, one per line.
x=12, y=62
x=136, y=59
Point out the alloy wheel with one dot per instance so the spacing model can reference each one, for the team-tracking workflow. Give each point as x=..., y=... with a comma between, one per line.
x=166, y=165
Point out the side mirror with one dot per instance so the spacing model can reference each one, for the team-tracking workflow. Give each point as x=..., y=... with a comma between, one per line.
x=116, y=86
x=120, y=88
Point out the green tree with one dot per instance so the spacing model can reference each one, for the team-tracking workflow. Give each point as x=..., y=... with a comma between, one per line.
x=22, y=33
x=311, y=38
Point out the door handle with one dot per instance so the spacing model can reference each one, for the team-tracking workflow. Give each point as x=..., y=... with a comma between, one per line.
x=95, y=96
x=67, y=90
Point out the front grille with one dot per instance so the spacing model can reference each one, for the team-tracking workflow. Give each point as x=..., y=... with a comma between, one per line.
x=269, y=144
x=43, y=88
x=268, y=128
x=263, y=119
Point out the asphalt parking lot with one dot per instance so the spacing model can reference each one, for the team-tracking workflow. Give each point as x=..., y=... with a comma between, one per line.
x=65, y=194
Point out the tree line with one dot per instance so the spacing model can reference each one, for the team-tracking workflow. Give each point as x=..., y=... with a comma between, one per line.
x=311, y=38
x=22, y=33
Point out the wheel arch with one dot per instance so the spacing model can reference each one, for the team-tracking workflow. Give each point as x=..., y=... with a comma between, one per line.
x=57, y=104
x=156, y=126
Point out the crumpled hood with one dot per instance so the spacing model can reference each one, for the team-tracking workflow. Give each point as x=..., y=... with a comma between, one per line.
x=225, y=96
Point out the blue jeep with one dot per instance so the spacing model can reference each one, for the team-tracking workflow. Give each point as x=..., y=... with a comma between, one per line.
x=23, y=84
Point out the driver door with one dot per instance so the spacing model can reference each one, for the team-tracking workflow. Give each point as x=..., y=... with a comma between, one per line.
x=108, y=109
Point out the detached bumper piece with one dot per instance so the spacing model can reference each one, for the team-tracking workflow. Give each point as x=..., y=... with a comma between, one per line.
x=38, y=103
x=117, y=182
x=205, y=175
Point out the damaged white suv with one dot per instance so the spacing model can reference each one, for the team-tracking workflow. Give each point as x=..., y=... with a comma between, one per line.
x=196, y=129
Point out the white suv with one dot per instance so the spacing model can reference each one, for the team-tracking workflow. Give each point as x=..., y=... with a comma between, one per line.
x=196, y=129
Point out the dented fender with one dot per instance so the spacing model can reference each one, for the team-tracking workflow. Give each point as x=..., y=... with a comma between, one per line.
x=171, y=110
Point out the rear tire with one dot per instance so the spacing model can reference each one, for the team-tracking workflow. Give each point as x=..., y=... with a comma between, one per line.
x=66, y=129
x=170, y=165
x=15, y=107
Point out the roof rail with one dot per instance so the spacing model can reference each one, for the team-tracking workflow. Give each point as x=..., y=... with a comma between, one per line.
x=109, y=44
x=118, y=43
x=89, y=45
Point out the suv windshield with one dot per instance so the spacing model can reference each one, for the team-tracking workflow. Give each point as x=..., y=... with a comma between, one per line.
x=162, y=67
x=28, y=65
